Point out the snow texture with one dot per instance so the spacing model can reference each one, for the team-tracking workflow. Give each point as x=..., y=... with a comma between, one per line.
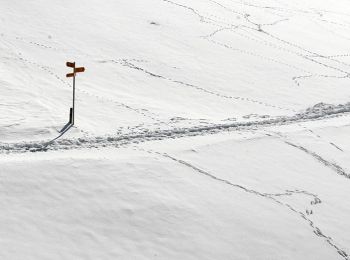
x=204, y=129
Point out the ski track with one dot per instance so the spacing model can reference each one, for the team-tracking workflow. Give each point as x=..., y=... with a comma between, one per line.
x=280, y=48
x=272, y=197
x=133, y=66
x=259, y=27
x=332, y=165
x=326, y=141
x=318, y=112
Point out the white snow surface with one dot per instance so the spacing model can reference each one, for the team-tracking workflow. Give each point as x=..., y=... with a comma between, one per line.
x=204, y=129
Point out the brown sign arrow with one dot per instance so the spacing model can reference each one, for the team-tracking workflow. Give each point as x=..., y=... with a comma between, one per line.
x=70, y=64
x=81, y=69
x=69, y=75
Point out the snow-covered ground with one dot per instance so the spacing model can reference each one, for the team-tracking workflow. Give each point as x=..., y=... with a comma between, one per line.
x=205, y=129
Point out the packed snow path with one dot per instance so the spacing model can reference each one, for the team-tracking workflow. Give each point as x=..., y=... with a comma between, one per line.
x=319, y=112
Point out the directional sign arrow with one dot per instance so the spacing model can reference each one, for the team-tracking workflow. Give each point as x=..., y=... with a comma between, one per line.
x=69, y=75
x=81, y=69
x=70, y=64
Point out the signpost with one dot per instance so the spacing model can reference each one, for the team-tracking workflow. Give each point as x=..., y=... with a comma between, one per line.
x=69, y=75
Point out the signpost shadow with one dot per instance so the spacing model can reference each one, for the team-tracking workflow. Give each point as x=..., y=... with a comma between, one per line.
x=62, y=132
x=65, y=127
